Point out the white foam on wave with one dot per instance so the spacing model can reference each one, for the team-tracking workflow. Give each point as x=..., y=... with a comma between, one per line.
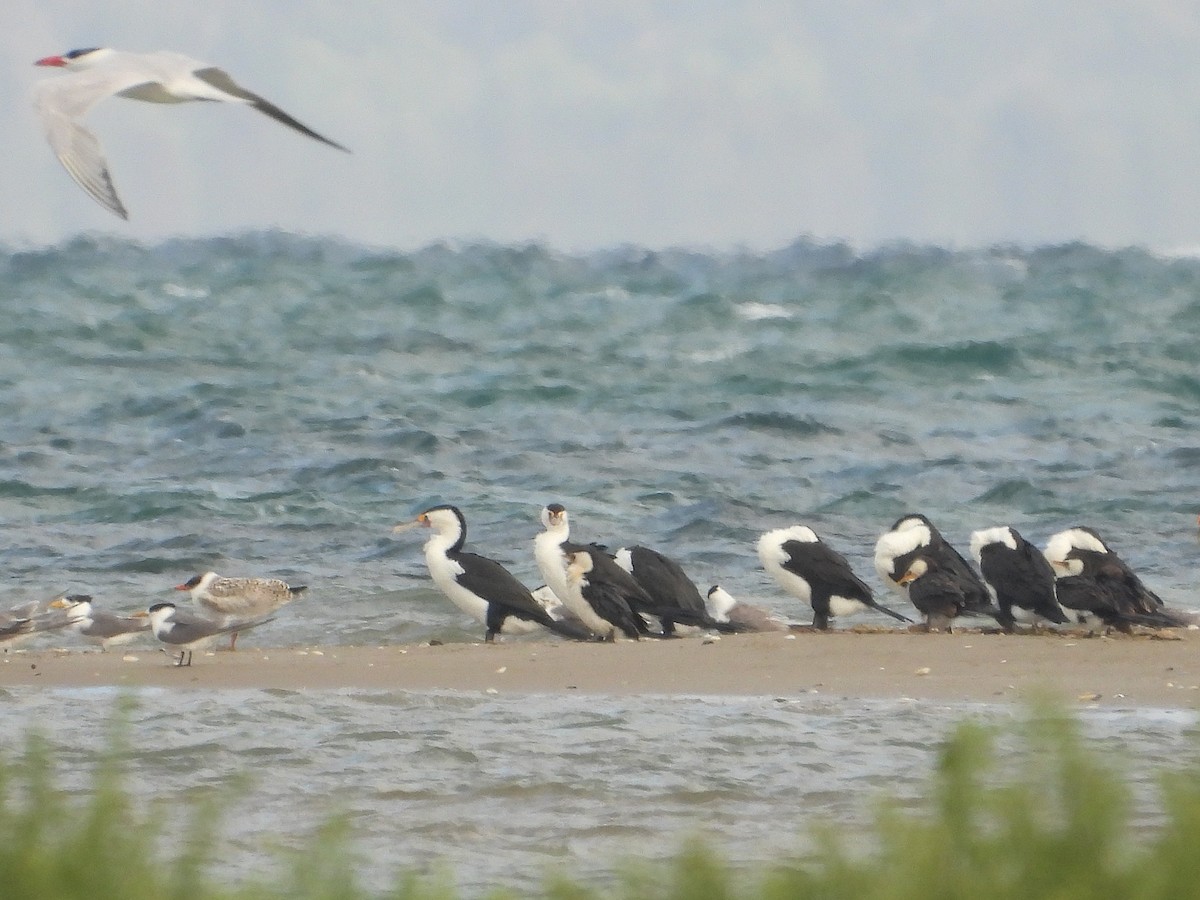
x=754, y=311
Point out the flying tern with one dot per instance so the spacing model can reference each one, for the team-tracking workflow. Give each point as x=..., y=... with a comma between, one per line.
x=162, y=77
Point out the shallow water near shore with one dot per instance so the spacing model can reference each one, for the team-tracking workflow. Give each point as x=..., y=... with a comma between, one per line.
x=499, y=791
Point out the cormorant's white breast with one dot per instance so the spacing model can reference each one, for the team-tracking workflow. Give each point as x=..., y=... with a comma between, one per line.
x=808, y=568
x=481, y=587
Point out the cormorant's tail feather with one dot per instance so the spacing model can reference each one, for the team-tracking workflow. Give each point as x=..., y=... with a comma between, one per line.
x=1163, y=618
x=895, y=615
x=570, y=629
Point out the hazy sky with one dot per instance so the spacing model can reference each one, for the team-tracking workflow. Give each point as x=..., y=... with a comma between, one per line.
x=713, y=123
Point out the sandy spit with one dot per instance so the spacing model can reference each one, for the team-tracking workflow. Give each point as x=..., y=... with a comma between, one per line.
x=1159, y=669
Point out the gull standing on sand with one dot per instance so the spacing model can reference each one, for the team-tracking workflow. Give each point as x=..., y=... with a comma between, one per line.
x=16, y=624
x=187, y=633
x=95, y=73
x=22, y=622
x=98, y=626
x=242, y=599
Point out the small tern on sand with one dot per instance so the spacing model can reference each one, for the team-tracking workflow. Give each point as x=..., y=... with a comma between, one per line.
x=99, y=72
x=187, y=633
x=241, y=599
x=100, y=627
x=16, y=624
x=723, y=607
x=20, y=623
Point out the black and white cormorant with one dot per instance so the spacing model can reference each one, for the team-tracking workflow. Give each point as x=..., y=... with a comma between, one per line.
x=644, y=604
x=811, y=570
x=1020, y=575
x=650, y=583
x=664, y=580
x=548, y=548
x=937, y=594
x=481, y=587
x=596, y=598
x=1097, y=587
x=914, y=535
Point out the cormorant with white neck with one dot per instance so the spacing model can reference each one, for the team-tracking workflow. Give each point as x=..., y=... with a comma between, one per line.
x=808, y=568
x=1019, y=574
x=599, y=602
x=481, y=587
x=548, y=548
x=914, y=535
x=664, y=580
x=1099, y=588
x=552, y=547
x=936, y=593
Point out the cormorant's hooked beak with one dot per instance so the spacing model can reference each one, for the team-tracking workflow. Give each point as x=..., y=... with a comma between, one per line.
x=421, y=520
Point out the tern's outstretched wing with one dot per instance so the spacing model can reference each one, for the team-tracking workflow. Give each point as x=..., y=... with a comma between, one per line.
x=62, y=103
x=220, y=79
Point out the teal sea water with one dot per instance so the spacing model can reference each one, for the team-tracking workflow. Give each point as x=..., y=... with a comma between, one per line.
x=273, y=404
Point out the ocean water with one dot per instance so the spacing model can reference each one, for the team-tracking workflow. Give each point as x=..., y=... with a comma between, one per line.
x=273, y=404
x=490, y=791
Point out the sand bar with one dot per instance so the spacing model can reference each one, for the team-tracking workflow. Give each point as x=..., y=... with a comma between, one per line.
x=1160, y=670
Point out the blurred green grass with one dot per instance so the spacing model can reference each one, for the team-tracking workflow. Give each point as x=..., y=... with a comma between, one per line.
x=1058, y=825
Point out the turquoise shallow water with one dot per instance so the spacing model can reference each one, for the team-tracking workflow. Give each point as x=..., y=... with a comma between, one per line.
x=269, y=403
x=273, y=404
x=496, y=790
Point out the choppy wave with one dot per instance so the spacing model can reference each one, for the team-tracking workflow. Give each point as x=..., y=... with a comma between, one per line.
x=274, y=403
